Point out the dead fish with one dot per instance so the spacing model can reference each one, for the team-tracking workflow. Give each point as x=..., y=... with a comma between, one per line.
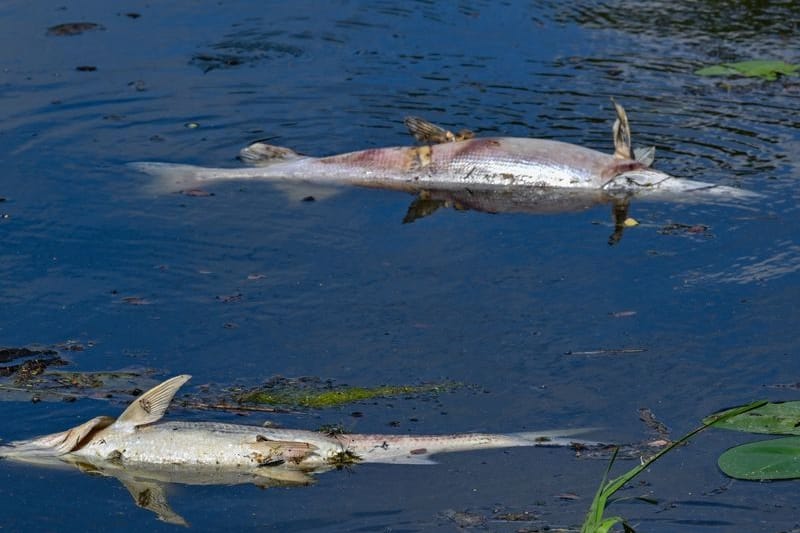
x=144, y=452
x=456, y=162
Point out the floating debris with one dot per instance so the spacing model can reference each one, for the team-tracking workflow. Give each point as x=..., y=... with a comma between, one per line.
x=37, y=381
x=69, y=29
x=37, y=362
x=196, y=193
x=677, y=228
x=209, y=62
x=230, y=298
x=33, y=377
x=138, y=85
x=135, y=300
x=656, y=426
x=609, y=351
x=9, y=354
x=465, y=519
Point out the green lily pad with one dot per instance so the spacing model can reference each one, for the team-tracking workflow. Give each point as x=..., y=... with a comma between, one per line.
x=763, y=460
x=757, y=68
x=781, y=418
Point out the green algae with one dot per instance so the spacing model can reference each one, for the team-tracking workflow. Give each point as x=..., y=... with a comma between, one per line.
x=316, y=394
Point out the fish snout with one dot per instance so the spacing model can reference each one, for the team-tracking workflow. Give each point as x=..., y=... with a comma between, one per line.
x=637, y=180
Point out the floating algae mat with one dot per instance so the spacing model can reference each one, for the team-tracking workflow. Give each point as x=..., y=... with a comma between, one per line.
x=50, y=385
x=315, y=393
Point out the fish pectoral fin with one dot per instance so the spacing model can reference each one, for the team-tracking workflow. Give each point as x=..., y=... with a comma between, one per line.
x=61, y=443
x=151, y=405
x=622, y=133
x=269, y=452
x=260, y=153
x=75, y=436
x=429, y=133
x=153, y=497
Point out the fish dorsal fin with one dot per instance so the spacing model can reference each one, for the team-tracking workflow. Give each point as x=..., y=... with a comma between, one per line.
x=429, y=133
x=260, y=153
x=151, y=405
x=622, y=134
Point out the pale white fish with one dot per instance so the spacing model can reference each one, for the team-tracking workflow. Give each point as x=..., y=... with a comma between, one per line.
x=144, y=452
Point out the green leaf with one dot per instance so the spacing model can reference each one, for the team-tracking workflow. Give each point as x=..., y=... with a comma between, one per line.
x=717, y=70
x=767, y=459
x=756, y=68
x=781, y=418
x=608, y=523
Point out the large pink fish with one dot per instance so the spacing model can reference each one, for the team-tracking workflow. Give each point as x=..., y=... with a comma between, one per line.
x=458, y=162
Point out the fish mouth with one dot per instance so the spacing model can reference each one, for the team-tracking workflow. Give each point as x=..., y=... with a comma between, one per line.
x=638, y=180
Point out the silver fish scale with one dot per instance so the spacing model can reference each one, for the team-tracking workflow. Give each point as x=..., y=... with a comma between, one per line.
x=513, y=171
x=200, y=443
x=507, y=161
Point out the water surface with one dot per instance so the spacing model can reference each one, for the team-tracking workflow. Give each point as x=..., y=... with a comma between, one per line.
x=344, y=291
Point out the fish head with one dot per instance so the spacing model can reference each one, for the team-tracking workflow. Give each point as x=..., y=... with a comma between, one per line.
x=650, y=182
x=639, y=180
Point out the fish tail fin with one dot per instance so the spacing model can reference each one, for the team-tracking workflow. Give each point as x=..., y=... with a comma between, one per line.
x=169, y=177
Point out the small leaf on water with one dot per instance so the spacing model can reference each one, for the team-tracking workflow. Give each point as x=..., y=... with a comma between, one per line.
x=768, y=459
x=781, y=418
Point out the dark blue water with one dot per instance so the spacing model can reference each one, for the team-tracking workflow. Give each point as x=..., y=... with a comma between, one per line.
x=344, y=291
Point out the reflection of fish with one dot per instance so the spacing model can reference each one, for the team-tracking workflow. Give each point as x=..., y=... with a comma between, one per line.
x=454, y=162
x=144, y=453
